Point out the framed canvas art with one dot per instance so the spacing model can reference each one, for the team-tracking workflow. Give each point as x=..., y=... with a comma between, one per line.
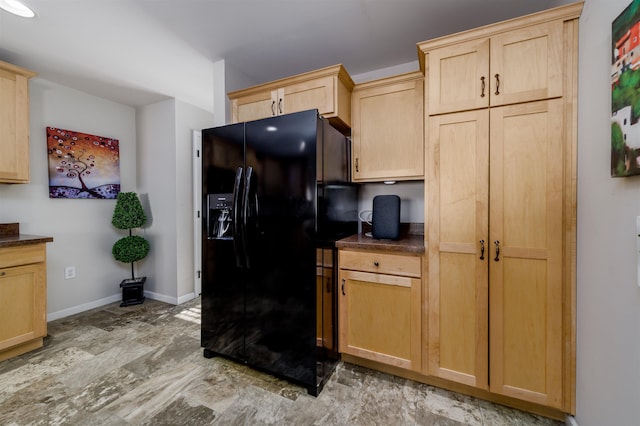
x=82, y=165
x=625, y=92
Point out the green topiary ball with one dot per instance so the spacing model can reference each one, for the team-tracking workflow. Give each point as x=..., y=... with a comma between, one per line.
x=130, y=249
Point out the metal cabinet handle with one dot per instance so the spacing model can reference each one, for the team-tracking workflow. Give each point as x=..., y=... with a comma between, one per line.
x=2, y=274
x=343, y=293
x=481, y=249
x=273, y=107
x=497, y=243
x=357, y=168
x=497, y=84
x=483, y=86
x=280, y=105
x=376, y=264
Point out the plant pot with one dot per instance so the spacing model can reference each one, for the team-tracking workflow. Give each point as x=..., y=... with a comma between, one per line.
x=132, y=291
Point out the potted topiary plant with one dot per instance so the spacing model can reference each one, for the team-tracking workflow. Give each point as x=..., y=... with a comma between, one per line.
x=128, y=214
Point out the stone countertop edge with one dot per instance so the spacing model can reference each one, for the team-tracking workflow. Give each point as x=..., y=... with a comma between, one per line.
x=22, y=240
x=412, y=243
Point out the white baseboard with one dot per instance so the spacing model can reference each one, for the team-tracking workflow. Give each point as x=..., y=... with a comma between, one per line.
x=570, y=421
x=186, y=298
x=116, y=297
x=84, y=307
x=161, y=297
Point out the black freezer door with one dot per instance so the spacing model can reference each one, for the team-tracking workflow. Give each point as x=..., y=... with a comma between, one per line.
x=224, y=278
x=280, y=200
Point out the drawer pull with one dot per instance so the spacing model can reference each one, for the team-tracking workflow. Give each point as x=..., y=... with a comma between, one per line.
x=2, y=274
x=376, y=264
x=343, y=293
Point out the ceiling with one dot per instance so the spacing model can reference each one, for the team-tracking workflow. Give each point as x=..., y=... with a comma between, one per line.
x=136, y=52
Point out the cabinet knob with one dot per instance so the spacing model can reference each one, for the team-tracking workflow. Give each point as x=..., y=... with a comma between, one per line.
x=376, y=264
x=2, y=274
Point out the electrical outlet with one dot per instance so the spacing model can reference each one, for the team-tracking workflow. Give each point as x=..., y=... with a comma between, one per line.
x=69, y=272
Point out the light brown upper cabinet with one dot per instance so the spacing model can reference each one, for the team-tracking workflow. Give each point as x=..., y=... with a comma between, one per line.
x=14, y=123
x=387, y=133
x=515, y=66
x=328, y=90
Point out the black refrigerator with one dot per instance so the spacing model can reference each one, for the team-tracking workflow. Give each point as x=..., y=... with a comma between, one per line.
x=276, y=196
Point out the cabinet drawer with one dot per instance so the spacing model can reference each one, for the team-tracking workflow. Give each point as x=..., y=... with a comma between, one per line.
x=384, y=263
x=22, y=255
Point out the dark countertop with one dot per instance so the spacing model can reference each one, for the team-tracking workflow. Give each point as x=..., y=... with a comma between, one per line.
x=10, y=236
x=22, y=239
x=409, y=243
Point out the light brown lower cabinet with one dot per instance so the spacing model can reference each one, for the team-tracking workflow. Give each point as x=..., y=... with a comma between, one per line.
x=380, y=307
x=23, y=297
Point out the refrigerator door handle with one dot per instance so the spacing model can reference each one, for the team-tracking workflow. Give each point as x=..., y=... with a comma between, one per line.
x=237, y=229
x=246, y=215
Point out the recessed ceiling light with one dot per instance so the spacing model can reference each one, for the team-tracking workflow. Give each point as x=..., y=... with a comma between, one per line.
x=17, y=8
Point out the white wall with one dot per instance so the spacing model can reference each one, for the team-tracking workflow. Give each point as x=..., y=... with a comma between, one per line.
x=188, y=118
x=386, y=72
x=157, y=186
x=81, y=229
x=608, y=298
x=165, y=180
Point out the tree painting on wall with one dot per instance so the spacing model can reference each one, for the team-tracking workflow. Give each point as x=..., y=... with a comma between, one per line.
x=625, y=92
x=82, y=165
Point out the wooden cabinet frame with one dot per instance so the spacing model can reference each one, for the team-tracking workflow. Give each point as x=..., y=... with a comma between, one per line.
x=327, y=89
x=14, y=127
x=23, y=296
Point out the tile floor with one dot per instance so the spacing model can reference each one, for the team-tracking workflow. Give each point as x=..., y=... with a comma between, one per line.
x=143, y=365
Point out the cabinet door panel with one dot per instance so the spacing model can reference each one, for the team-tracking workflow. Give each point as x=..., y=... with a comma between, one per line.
x=23, y=295
x=459, y=77
x=254, y=107
x=380, y=318
x=318, y=93
x=458, y=220
x=526, y=282
x=528, y=63
x=14, y=131
x=388, y=135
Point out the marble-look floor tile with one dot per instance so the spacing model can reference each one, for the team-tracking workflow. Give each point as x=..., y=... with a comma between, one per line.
x=181, y=412
x=106, y=389
x=454, y=406
x=17, y=379
x=147, y=399
x=143, y=365
x=255, y=407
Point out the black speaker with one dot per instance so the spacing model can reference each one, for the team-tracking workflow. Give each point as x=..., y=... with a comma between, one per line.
x=385, y=223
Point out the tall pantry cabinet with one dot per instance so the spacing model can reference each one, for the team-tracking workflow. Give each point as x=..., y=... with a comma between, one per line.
x=501, y=124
